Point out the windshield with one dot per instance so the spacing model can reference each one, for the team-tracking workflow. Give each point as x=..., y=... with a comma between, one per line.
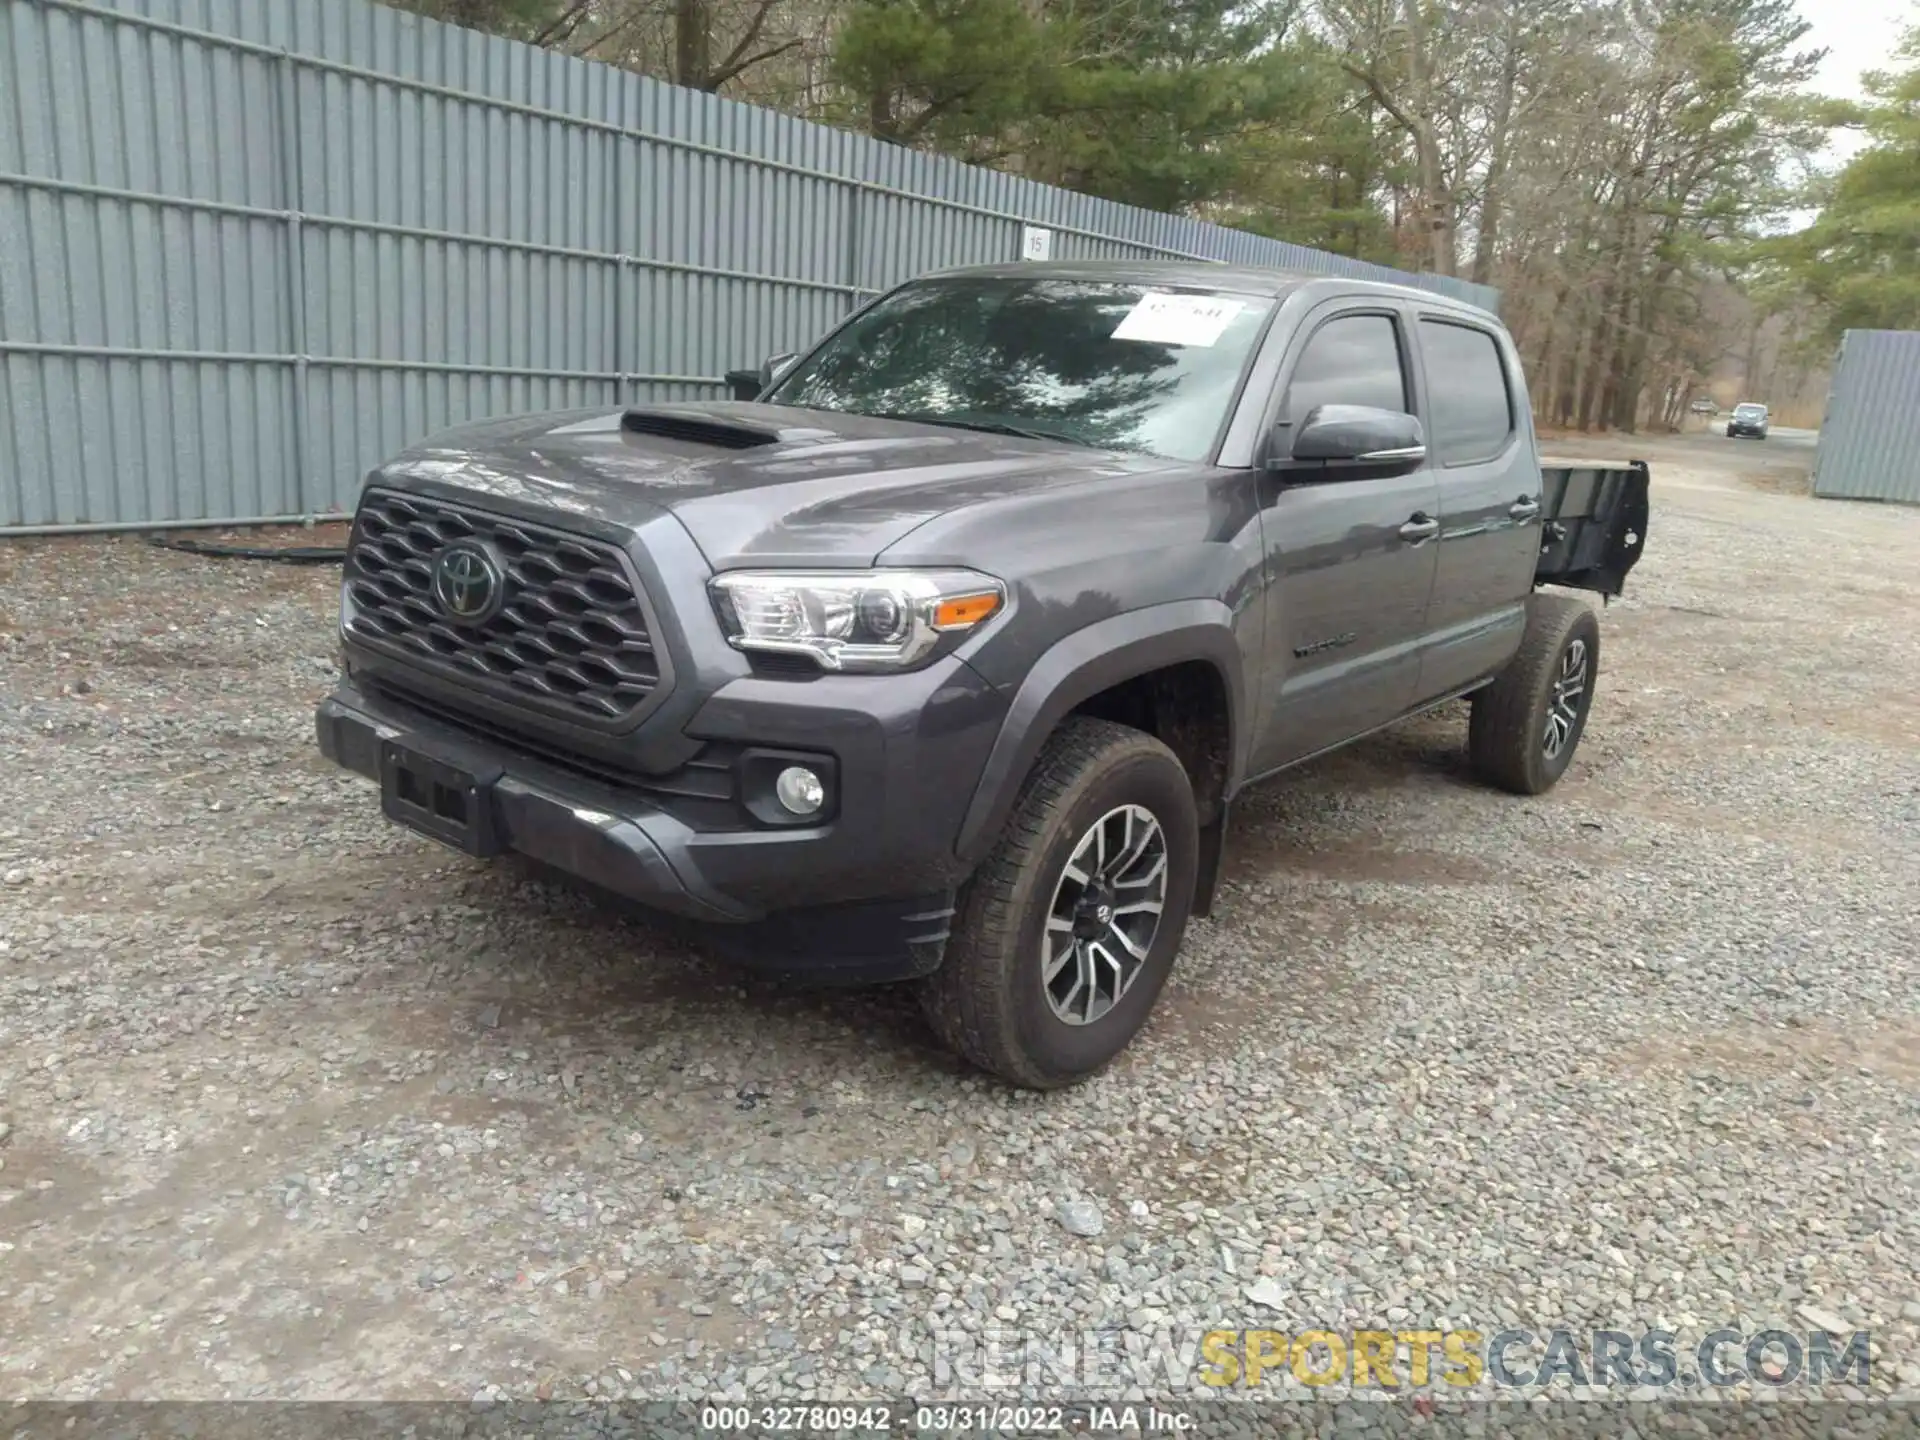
x=1749, y=409
x=1119, y=366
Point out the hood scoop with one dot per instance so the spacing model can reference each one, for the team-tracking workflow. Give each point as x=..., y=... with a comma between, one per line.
x=699, y=427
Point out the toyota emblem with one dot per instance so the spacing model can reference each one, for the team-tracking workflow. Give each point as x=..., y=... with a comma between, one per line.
x=468, y=583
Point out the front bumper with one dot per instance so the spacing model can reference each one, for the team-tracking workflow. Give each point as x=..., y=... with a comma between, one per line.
x=866, y=895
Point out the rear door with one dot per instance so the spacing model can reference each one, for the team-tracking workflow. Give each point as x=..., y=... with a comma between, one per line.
x=1350, y=560
x=1480, y=442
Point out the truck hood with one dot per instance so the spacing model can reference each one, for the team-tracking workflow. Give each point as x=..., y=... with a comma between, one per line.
x=753, y=484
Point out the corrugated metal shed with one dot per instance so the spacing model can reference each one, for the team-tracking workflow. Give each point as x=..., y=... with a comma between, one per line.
x=249, y=247
x=1869, y=445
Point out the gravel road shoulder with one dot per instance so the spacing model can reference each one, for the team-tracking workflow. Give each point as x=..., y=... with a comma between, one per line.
x=293, y=1104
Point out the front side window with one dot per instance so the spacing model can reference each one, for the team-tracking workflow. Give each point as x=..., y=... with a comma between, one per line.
x=1470, y=407
x=1353, y=360
x=1113, y=365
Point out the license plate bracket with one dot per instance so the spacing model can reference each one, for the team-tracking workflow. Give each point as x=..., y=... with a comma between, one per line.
x=438, y=798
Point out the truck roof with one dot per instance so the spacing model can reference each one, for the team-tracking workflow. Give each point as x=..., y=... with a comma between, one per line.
x=1247, y=279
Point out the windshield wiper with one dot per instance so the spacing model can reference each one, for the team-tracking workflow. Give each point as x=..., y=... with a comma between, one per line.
x=999, y=427
x=991, y=427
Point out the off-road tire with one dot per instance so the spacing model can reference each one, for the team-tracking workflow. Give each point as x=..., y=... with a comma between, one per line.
x=987, y=1001
x=1507, y=735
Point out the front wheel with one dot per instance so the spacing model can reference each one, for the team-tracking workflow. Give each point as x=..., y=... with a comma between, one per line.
x=1067, y=932
x=1526, y=725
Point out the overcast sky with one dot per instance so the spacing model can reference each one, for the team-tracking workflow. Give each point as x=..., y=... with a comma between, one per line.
x=1859, y=35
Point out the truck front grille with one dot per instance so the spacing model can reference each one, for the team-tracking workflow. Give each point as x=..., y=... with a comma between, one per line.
x=570, y=633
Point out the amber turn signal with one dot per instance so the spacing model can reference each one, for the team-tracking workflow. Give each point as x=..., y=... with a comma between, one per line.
x=962, y=611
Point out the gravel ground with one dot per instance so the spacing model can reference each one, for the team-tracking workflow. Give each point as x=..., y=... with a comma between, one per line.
x=293, y=1104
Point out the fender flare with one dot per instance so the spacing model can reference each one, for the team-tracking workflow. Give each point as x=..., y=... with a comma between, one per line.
x=1080, y=666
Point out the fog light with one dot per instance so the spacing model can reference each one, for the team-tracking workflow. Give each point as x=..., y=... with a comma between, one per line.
x=799, y=790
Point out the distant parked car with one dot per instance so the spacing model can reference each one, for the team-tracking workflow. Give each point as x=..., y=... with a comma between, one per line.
x=1748, y=419
x=1704, y=406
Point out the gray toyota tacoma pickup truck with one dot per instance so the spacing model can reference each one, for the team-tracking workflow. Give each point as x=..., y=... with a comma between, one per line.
x=943, y=658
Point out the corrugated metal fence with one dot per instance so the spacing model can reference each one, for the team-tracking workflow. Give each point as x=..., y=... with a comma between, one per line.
x=248, y=247
x=1870, y=439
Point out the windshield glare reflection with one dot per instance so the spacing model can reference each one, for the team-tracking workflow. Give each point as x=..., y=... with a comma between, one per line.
x=1041, y=358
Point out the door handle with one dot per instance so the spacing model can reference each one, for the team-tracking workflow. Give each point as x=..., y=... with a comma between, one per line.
x=1525, y=508
x=1421, y=526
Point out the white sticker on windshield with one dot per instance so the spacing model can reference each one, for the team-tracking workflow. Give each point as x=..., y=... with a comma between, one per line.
x=1161, y=319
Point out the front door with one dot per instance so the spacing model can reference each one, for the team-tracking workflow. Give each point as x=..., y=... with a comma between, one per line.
x=1350, y=561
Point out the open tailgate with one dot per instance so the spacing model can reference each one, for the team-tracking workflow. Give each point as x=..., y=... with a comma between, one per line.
x=1593, y=523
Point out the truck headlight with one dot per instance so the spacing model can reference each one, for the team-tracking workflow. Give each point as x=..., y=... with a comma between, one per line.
x=853, y=620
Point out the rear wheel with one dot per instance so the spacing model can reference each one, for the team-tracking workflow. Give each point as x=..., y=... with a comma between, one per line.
x=1067, y=932
x=1528, y=722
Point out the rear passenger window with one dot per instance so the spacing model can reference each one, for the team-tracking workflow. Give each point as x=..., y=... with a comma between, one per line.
x=1470, y=411
x=1354, y=360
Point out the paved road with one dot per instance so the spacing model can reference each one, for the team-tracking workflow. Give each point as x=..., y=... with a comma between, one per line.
x=1800, y=439
x=1705, y=463
x=1781, y=435
x=1710, y=449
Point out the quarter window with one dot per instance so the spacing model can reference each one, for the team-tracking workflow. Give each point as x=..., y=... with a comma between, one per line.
x=1469, y=404
x=1354, y=360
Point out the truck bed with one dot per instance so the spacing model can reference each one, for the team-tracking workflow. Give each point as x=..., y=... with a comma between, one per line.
x=1593, y=522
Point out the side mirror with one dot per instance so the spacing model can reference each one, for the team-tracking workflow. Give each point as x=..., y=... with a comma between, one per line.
x=775, y=367
x=1352, y=436
x=748, y=384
